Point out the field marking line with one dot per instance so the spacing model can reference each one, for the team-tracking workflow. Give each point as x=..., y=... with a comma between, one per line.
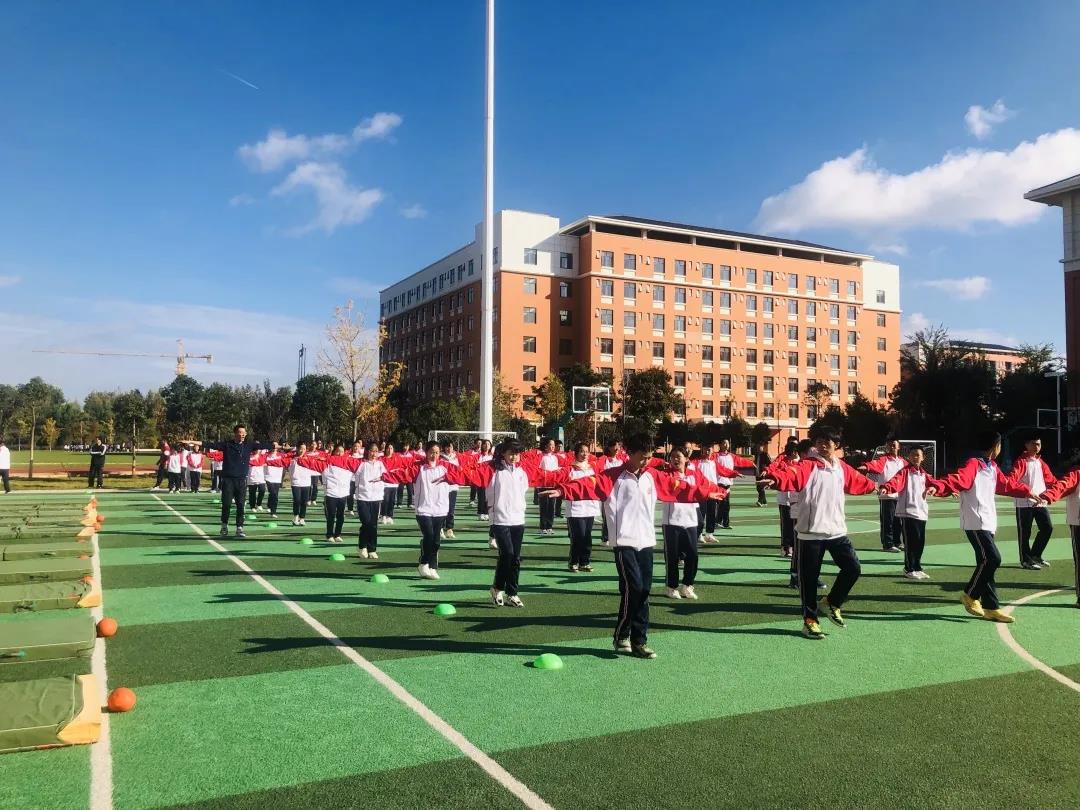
x=492, y=768
x=1006, y=635
x=101, y=781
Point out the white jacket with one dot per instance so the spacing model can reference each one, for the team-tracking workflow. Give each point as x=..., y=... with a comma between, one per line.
x=299, y=476
x=369, y=483
x=681, y=514
x=5, y=458
x=582, y=509
x=505, y=495
x=630, y=512
x=431, y=492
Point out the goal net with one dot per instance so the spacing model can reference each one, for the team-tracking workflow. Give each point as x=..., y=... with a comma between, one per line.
x=467, y=439
x=591, y=399
x=929, y=448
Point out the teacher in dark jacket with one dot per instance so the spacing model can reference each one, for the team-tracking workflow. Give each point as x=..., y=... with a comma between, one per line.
x=235, y=462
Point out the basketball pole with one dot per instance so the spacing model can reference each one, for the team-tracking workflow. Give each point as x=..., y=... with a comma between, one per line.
x=487, y=259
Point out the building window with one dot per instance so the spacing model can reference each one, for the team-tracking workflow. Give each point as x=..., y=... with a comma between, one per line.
x=769, y=411
x=751, y=410
x=566, y=261
x=607, y=287
x=793, y=359
x=751, y=303
x=751, y=382
x=680, y=379
x=680, y=351
x=565, y=346
x=852, y=388
x=852, y=288
x=751, y=330
x=530, y=255
x=767, y=278
x=725, y=300
x=564, y=286
x=530, y=285
x=751, y=356
x=834, y=362
x=529, y=314
x=725, y=354
x=792, y=307
x=706, y=353
x=793, y=282
x=834, y=337
x=811, y=309
x=658, y=321
x=528, y=344
x=880, y=320
x=852, y=339
x=528, y=373
x=881, y=344
x=565, y=317
x=706, y=270
x=770, y=331
x=751, y=275
x=658, y=294
x=768, y=305
x=834, y=387
x=680, y=295
x=658, y=349
x=834, y=286
x=680, y=323
x=470, y=323
x=607, y=317
x=607, y=258
x=793, y=333
x=793, y=385
x=879, y=296
x=706, y=380
x=853, y=362
x=629, y=348
x=607, y=345
x=882, y=392
x=706, y=407
x=707, y=298
x=471, y=267
x=834, y=311
x=811, y=360
x=769, y=356
x=792, y=411
x=658, y=265
x=725, y=382
x=768, y=383
x=707, y=326
x=811, y=334
x=629, y=261
x=881, y=367
x=811, y=284
x=629, y=320
x=607, y=373
x=470, y=295
x=629, y=290
x=725, y=272
x=680, y=267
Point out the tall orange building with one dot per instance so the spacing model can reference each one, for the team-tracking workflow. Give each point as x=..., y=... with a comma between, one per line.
x=744, y=323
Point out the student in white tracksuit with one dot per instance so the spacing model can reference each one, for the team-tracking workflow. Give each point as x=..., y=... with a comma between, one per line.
x=256, y=481
x=337, y=471
x=1030, y=469
x=432, y=493
x=581, y=515
x=1068, y=487
x=881, y=470
x=174, y=467
x=274, y=464
x=300, y=481
x=370, y=491
x=679, y=524
x=912, y=485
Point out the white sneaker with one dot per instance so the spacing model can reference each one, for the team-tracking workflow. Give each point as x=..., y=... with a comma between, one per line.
x=363, y=554
x=672, y=593
x=498, y=598
x=450, y=534
x=923, y=575
x=485, y=518
x=427, y=572
x=155, y=489
x=442, y=534
x=296, y=521
x=372, y=555
x=912, y=575
x=273, y=516
x=708, y=538
x=493, y=544
x=390, y=521
x=303, y=522
x=687, y=592
x=514, y=601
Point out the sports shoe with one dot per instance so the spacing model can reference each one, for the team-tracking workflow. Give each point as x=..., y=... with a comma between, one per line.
x=1030, y=565
x=972, y=606
x=622, y=645
x=892, y=549
x=426, y=571
x=450, y=534
x=995, y=615
x=224, y=530
x=811, y=629
x=586, y=569
x=155, y=489
x=498, y=598
x=303, y=522
x=642, y=651
x=572, y=568
x=923, y=575
x=793, y=583
x=240, y=531
x=296, y=521
x=390, y=521
x=687, y=592
x=832, y=613
x=786, y=553
x=514, y=601
x=726, y=527
x=442, y=534
x=912, y=575
x=1041, y=562
x=493, y=544
x=672, y=593
x=363, y=554
x=273, y=516
x=485, y=518
x=708, y=539
x=373, y=555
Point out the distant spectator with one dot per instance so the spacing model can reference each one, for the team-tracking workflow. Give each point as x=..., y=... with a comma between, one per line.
x=97, y=464
x=5, y=466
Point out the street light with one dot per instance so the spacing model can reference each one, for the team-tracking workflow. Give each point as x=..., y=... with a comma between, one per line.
x=1057, y=373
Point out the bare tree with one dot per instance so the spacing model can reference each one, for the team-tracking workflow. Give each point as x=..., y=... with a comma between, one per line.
x=352, y=355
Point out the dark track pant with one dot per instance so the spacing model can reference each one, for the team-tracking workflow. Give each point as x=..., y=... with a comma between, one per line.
x=194, y=479
x=811, y=555
x=5, y=476
x=558, y=507
x=402, y=491
x=334, y=509
x=635, y=581
x=914, y=542
x=787, y=528
x=314, y=493
x=680, y=541
x=508, y=568
x=350, y=504
x=430, y=527
x=94, y=477
x=174, y=481
x=1074, y=532
x=389, y=498
x=761, y=499
x=449, y=522
x=580, y=529
x=707, y=516
x=481, y=501
x=547, y=513
x=369, y=524
x=272, y=491
x=981, y=586
x=300, y=497
x=891, y=530
x=1040, y=515
x=161, y=473
x=215, y=480
x=256, y=493
x=233, y=491
x=723, y=512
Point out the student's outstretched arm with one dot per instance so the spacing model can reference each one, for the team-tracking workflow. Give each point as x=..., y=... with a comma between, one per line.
x=312, y=463
x=595, y=488
x=402, y=474
x=792, y=478
x=963, y=478
x=1013, y=489
x=1063, y=486
x=855, y=483
x=896, y=483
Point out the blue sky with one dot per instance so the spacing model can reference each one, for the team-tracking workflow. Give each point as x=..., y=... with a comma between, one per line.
x=131, y=214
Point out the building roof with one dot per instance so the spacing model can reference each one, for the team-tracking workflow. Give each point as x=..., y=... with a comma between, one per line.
x=1053, y=193
x=978, y=346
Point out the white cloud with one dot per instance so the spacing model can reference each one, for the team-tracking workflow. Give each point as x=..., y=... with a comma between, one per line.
x=339, y=203
x=9, y=281
x=981, y=121
x=241, y=199
x=982, y=335
x=279, y=149
x=913, y=322
x=961, y=189
x=414, y=211
x=896, y=248
x=971, y=288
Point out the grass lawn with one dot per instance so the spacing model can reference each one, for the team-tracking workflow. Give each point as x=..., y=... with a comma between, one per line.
x=242, y=704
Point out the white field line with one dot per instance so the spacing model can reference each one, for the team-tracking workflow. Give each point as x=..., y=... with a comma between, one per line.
x=452, y=735
x=101, y=787
x=1006, y=635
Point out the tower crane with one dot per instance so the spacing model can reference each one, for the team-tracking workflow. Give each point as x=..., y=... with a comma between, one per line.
x=181, y=356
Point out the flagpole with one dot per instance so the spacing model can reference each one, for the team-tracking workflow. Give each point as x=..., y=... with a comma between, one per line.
x=487, y=364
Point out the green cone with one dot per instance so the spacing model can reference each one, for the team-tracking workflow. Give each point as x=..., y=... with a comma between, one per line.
x=444, y=609
x=307, y=541
x=271, y=525
x=548, y=661
x=337, y=556
x=380, y=579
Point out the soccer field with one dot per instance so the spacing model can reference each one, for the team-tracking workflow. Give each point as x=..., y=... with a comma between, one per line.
x=251, y=700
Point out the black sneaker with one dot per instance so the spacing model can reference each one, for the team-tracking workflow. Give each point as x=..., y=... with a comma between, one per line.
x=642, y=651
x=240, y=531
x=224, y=530
x=793, y=583
x=1030, y=565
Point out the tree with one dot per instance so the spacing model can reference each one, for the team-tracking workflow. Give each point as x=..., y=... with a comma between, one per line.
x=222, y=408
x=270, y=410
x=183, y=406
x=579, y=375
x=378, y=423
x=737, y=431
x=352, y=355
x=72, y=422
x=9, y=406
x=321, y=406
x=647, y=398
x=817, y=397
x=37, y=399
x=1037, y=358
x=833, y=418
x=867, y=425
x=761, y=433
x=50, y=432
x=550, y=400
x=505, y=406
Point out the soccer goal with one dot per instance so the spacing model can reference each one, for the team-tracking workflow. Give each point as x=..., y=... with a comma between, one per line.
x=467, y=439
x=929, y=448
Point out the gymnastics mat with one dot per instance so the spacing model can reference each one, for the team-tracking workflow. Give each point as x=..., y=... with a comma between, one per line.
x=47, y=639
x=34, y=596
x=64, y=569
x=49, y=712
x=45, y=551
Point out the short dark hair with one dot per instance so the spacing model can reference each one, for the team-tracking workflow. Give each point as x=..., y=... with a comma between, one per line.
x=447, y=444
x=508, y=445
x=826, y=432
x=985, y=439
x=581, y=446
x=639, y=443
x=611, y=444
x=239, y=425
x=804, y=446
x=791, y=446
x=430, y=444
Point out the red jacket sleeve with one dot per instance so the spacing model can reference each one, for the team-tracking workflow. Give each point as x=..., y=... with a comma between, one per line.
x=1064, y=485
x=596, y=488
x=312, y=463
x=281, y=461
x=855, y=483
x=1009, y=487
x=793, y=478
x=898, y=482
x=403, y=474
x=478, y=475
x=724, y=472
x=876, y=466
x=1048, y=476
x=964, y=478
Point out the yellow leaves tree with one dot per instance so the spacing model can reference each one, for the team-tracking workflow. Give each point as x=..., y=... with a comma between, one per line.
x=50, y=431
x=351, y=354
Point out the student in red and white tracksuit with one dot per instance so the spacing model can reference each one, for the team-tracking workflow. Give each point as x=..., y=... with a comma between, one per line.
x=629, y=494
x=977, y=482
x=1031, y=470
x=194, y=463
x=370, y=489
x=789, y=457
x=275, y=463
x=679, y=525
x=357, y=452
x=450, y=456
x=549, y=462
x=612, y=457
x=337, y=471
x=581, y=515
x=485, y=455
x=390, y=490
x=432, y=491
x=506, y=480
x=822, y=481
x=215, y=457
x=912, y=485
x=1068, y=487
x=174, y=467
x=256, y=481
x=184, y=453
x=300, y=481
x=881, y=470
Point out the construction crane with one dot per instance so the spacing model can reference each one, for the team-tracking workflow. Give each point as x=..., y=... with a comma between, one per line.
x=181, y=356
